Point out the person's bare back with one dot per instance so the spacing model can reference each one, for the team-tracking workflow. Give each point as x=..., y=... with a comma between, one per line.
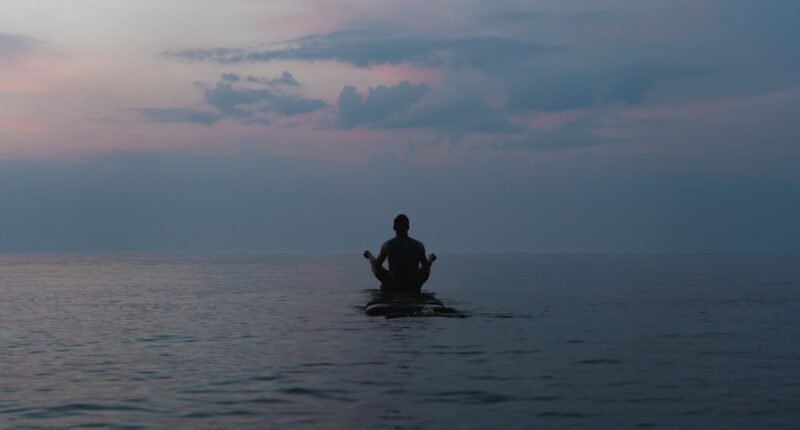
x=409, y=268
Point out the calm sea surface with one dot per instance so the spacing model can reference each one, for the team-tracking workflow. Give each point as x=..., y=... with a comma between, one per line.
x=551, y=341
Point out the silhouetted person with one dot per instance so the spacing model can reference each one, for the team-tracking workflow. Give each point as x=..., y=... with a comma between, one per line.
x=409, y=268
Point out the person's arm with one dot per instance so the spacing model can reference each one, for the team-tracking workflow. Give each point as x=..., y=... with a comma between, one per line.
x=423, y=260
x=382, y=255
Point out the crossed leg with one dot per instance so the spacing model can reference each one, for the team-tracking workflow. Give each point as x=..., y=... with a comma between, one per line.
x=382, y=274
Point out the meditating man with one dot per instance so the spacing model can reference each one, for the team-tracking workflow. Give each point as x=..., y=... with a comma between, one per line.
x=409, y=268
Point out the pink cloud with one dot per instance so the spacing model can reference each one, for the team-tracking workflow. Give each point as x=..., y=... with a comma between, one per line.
x=554, y=120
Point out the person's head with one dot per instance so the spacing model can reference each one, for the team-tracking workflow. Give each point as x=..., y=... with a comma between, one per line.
x=401, y=224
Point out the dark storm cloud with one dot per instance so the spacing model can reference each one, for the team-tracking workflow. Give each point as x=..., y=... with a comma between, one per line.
x=180, y=115
x=370, y=48
x=236, y=97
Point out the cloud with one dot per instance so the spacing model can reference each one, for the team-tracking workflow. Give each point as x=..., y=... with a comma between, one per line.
x=250, y=100
x=463, y=113
x=286, y=79
x=180, y=115
x=518, y=63
x=231, y=77
x=289, y=104
x=15, y=46
x=380, y=102
x=244, y=102
x=579, y=90
x=363, y=48
x=232, y=101
x=506, y=63
x=458, y=107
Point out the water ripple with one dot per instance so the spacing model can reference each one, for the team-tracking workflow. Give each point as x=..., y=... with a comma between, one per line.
x=470, y=397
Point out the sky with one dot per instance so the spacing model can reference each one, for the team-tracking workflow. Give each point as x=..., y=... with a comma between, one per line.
x=246, y=126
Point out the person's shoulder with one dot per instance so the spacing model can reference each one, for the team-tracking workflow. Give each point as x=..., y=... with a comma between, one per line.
x=416, y=242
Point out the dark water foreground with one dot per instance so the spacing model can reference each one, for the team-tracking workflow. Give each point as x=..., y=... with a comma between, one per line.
x=552, y=341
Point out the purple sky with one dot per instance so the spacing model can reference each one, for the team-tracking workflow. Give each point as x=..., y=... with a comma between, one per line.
x=251, y=126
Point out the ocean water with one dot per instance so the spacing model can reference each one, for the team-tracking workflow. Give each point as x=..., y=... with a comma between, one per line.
x=550, y=341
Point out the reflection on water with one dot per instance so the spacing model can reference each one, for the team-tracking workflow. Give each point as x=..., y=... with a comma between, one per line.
x=552, y=341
